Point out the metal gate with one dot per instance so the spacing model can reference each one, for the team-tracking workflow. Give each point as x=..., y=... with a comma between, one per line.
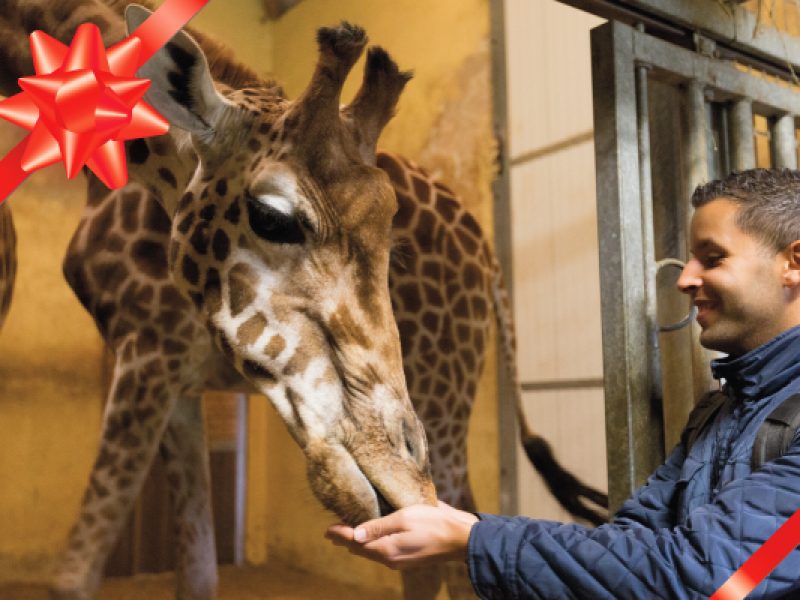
x=666, y=119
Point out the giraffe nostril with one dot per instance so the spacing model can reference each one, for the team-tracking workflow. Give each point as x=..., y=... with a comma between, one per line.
x=384, y=507
x=410, y=448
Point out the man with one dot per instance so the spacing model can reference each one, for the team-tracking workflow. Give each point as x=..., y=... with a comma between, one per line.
x=704, y=511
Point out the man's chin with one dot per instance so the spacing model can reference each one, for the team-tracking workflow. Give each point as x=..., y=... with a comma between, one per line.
x=712, y=338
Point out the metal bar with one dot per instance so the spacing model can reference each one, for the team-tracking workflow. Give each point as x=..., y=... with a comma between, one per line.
x=241, y=479
x=732, y=25
x=695, y=150
x=676, y=21
x=742, y=137
x=561, y=384
x=696, y=172
x=614, y=10
x=723, y=79
x=653, y=381
x=631, y=423
x=784, y=143
x=506, y=416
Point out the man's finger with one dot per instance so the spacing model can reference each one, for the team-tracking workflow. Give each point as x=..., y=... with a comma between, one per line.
x=339, y=532
x=378, y=528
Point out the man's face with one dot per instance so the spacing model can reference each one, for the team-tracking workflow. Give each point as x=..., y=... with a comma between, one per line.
x=735, y=281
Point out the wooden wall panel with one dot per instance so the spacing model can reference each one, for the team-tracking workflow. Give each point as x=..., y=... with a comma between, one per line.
x=554, y=240
x=573, y=421
x=549, y=73
x=556, y=280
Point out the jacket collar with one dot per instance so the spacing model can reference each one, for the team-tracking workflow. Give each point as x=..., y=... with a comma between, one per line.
x=764, y=370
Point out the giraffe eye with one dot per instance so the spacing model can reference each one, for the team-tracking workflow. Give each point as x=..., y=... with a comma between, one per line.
x=274, y=225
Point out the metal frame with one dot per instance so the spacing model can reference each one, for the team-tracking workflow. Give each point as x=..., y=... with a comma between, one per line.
x=734, y=30
x=501, y=191
x=624, y=60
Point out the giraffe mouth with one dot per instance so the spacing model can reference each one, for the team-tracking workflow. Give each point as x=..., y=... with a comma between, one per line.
x=384, y=508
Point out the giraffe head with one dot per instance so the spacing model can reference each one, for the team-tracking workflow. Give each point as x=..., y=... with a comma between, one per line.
x=281, y=239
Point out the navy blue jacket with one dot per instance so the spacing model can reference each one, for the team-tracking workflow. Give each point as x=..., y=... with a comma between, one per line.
x=681, y=535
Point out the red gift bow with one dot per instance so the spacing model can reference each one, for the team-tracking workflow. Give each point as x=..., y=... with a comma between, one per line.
x=84, y=102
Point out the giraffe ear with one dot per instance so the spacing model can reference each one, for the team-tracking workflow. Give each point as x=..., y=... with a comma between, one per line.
x=182, y=89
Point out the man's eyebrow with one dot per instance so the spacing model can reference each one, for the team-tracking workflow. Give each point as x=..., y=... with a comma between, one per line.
x=705, y=245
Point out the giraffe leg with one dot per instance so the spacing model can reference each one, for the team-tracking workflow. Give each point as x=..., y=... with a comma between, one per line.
x=422, y=583
x=457, y=491
x=185, y=455
x=136, y=414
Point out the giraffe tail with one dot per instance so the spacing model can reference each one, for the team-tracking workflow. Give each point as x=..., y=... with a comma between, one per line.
x=568, y=490
x=8, y=259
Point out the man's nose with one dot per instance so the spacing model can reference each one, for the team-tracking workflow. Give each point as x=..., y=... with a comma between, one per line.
x=690, y=279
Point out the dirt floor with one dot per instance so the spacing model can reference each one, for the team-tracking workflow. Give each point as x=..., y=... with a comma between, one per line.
x=236, y=583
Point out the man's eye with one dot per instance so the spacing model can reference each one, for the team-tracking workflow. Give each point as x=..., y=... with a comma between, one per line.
x=712, y=260
x=273, y=225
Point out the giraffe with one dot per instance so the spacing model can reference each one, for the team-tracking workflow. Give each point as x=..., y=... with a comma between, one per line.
x=447, y=286
x=448, y=314
x=266, y=259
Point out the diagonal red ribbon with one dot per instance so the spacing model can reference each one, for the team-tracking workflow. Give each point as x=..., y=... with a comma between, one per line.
x=84, y=102
x=762, y=562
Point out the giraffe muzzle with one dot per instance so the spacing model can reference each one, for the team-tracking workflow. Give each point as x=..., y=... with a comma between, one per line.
x=384, y=506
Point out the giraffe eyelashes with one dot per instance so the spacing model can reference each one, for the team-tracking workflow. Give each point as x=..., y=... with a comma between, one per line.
x=274, y=225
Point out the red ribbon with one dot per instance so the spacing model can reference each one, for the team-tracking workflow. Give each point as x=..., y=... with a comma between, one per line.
x=764, y=560
x=84, y=102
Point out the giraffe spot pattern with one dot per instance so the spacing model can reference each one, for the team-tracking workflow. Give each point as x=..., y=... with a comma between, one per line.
x=241, y=281
x=138, y=152
x=199, y=239
x=150, y=258
x=213, y=291
x=168, y=176
x=249, y=331
x=275, y=346
x=222, y=187
x=221, y=245
x=190, y=270
x=233, y=212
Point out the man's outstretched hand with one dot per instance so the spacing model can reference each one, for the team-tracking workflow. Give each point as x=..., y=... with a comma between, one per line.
x=411, y=537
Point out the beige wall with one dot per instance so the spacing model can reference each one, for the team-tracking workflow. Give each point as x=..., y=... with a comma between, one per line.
x=554, y=239
x=51, y=381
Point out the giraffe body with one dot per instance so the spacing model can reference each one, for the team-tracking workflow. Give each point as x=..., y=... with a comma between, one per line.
x=174, y=271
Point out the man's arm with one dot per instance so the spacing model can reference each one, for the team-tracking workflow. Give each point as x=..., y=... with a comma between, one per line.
x=515, y=557
x=509, y=558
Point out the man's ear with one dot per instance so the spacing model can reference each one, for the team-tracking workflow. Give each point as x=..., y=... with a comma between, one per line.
x=182, y=89
x=791, y=274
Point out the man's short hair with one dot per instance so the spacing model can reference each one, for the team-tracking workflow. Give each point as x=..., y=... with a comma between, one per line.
x=769, y=202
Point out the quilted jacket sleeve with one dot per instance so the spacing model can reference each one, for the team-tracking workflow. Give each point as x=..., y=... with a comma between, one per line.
x=638, y=556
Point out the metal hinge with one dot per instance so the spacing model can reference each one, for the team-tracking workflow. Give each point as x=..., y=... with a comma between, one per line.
x=705, y=46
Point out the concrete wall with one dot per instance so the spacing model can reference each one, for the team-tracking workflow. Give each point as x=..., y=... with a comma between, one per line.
x=51, y=379
x=51, y=358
